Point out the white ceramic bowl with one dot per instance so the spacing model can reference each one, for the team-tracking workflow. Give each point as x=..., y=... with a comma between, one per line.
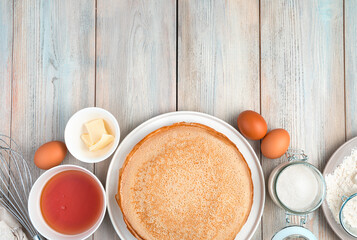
x=75, y=128
x=34, y=207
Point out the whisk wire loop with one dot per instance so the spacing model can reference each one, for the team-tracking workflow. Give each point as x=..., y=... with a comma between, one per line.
x=15, y=183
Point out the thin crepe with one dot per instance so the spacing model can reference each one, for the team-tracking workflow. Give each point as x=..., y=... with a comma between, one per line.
x=185, y=181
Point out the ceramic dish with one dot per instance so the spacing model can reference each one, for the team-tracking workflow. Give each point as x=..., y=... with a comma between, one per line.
x=75, y=127
x=167, y=119
x=35, y=209
x=335, y=160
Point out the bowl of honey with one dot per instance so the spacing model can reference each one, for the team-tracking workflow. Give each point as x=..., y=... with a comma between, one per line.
x=67, y=202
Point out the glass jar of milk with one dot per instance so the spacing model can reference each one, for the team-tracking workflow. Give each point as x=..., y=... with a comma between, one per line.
x=299, y=188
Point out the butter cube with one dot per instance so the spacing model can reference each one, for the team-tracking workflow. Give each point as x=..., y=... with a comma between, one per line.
x=103, y=142
x=86, y=139
x=96, y=129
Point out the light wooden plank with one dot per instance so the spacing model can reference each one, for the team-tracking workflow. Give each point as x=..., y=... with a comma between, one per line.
x=218, y=59
x=136, y=67
x=302, y=88
x=6, y=38
x=54, y=69
x=351, y=67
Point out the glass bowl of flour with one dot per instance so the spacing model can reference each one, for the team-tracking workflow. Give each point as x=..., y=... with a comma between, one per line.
x=348, y=214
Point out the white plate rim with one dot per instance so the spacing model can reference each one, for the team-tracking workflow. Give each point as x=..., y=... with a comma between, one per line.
x=253, y=161
x=344, y=149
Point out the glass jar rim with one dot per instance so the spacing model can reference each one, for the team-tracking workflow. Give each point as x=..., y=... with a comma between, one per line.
x=340, y=213
x=322, y=197
x=293, y=230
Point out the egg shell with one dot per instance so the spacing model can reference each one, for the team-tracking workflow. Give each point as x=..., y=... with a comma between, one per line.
x=275, y=143
x=50, y=154
x=252, y=125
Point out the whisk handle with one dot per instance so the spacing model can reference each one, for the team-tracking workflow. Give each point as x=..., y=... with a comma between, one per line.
x=36, y=237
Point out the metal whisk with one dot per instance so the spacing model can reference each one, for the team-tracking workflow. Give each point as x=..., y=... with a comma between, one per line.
x=15, y=183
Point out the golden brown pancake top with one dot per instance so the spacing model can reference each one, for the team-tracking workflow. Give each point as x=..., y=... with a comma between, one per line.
x=185, y=181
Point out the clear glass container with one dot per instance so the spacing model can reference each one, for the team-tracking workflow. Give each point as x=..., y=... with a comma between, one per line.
x=311, y=197
x=346, y=209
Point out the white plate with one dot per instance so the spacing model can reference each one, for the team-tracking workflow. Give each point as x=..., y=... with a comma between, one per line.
x=335, y=160
x=167, y=119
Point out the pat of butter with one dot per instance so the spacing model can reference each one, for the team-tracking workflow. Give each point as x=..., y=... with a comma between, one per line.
x=103, y=142
x=86, y=139
x=96, y=129
x=97, y=137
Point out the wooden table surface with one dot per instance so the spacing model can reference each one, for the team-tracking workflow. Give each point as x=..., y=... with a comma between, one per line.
x=294, y=61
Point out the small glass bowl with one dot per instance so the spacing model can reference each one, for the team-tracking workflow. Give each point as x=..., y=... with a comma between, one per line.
x=347, y=227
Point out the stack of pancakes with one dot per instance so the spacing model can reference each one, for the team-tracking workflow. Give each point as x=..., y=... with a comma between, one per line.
x=185, y=181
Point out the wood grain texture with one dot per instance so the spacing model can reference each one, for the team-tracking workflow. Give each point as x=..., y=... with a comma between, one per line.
x=6, y=38
x=136, y=67
x=218, y=59
x=53, y=71
x=302, y=87
x=57, y=58
x=351, y=67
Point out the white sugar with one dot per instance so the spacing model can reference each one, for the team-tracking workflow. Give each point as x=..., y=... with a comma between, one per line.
x=297, y=187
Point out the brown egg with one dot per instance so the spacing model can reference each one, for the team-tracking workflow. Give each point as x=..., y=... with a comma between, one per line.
x=252, y=125
x=50, y=154
x=275, y=143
